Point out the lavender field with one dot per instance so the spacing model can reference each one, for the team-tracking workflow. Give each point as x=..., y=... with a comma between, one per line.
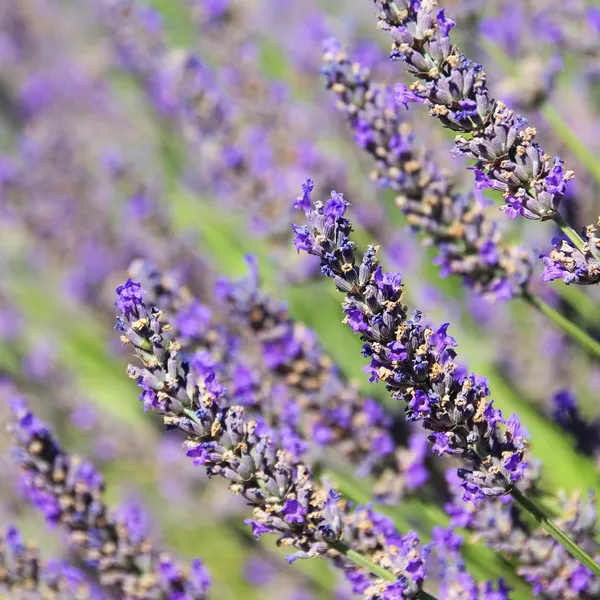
x=298, y=299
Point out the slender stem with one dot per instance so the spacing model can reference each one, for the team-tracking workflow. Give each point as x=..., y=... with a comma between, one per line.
x=564, y=540
x=586, y=341
x=361, y=561
x=585, y=306
x=566, y=228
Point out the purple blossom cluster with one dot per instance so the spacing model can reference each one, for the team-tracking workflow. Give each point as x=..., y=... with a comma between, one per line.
x=540, y=560
x=571, y=264
x=285, y=499
x=469, y=242
x=248, y=167
x=296, y=392
x=415, y=361
x=332, y=411
x=69, y=493
x=456, y=581
x=455, y=90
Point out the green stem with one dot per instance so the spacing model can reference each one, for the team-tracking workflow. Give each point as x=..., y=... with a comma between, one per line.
x=586, y=341
x=566, y=228
x=553, y=530
x=361, y=561
x=585, y=306
x=364, y=563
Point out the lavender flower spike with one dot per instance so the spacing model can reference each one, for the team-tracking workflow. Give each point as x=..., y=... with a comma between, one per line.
x=469, y=242
x=416, y=362
x=455, y=90
x=24, y=575
x=70, y=493
x=572, y=264
x=279, y=487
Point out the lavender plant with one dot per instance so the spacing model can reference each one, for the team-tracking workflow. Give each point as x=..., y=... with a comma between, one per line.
x=24, y=575
x=230, y=112
x=508, y=159
x=285, y=499
x=295, y=392
x=469, y=242
x=113, y=545
x=540, y=559
x=416, y=362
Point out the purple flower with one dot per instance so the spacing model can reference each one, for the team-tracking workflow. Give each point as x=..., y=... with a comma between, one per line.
x=334, y=207
x=70, y=494
x=303, y=202
x=198, y=453
x=445, y=24
x=294, y=512
x=129, y=297
x=482, y=181
x=417, y=364
x=441, y=444
x=303, y=239
x=403, y=95
x=258, y=528
x=457, y=224
x=356, y=320
x=420, y=404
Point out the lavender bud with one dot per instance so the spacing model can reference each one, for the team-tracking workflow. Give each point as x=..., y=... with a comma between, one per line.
x=571, y=264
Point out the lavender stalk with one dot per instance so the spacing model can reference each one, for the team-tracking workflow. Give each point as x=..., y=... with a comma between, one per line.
x=417, y=365
x=285, y=499
x=508, y=159
x=469, y=242
x=314, y=401
x=70, y=493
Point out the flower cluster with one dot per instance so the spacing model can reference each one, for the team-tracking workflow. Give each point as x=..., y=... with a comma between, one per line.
x=415, y=361
x=540, y=559
x=249, y=167
x=24, y=575
x=210, y=346
x=70, y=494
x=469, y=242
x=455, y=90
x=285, y=499
x=571, y=264
x=374, y=534
x=295, y=392
x=333, y=412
